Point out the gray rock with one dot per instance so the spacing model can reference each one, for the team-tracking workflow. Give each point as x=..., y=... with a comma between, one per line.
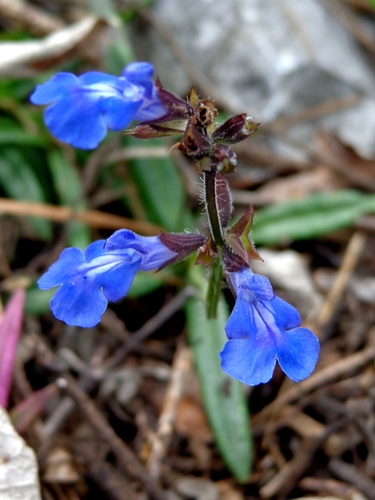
x=270, y=59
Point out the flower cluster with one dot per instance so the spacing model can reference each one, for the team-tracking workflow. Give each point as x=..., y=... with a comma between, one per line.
x=105, y=271
x=80, y=109
x=262, y=328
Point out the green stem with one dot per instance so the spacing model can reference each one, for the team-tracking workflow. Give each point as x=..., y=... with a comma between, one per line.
x=214, y=288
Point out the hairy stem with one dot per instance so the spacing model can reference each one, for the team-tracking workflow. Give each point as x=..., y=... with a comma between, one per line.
x=210, y=198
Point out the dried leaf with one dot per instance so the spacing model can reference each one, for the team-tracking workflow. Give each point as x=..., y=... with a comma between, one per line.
x=14, y=55
x=344, y=160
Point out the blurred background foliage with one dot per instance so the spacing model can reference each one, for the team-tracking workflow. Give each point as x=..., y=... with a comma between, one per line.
x=53, y=196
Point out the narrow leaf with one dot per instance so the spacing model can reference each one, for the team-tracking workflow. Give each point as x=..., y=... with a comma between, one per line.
x=161, y=190
x=18, y=180
x=38, y=301
x=10, y=329
x=310, y=217
x=119, y=49
x=223, y=397
x=67, y=184
x=28, y=410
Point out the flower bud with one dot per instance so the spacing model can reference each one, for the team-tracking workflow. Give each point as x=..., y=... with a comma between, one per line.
x=235, y=129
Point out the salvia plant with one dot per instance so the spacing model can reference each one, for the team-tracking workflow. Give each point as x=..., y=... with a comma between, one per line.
x=262, y=327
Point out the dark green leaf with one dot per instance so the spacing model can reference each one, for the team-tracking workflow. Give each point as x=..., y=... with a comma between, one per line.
x=12, y=133
x=37, y=301
x=143, y=284
x=160, y=189
x=120, y=51
x=67, y=184
x=310, y=217
x=214, y=288
x=19, y=181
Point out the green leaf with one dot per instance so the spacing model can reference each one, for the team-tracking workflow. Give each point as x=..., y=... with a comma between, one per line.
x=223, y=397
x=143, y=284
x=161, y=190
x=18, y=180
x=372, y=3
x=120, y=51
x=37, y=301
x=12, y=133
x=310, y=217
x=67, y=184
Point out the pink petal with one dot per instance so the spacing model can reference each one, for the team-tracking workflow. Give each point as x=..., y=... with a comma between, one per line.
x=10, y=329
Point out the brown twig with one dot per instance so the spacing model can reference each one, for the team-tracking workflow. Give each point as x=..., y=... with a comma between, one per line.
x=330, y=486
x=350, y=260
x=312, y=113
x=149, y=327
x=289, y=392
x=105, y=475
x=93, y=218
x=30, y=17
x=351, y=22
x=181, y=364
x=285, y=480
x=88, y=383
x=120, y=449
x=316, y=380
x=348, y=472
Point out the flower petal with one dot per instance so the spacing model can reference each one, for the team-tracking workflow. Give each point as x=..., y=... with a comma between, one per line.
x=81, y=108
x=76, y=119
x=117, y=281
x=250, y=360
x=261, y=286
x=286, y=316
x=95, y=249
x=241, y=322
x=262, y=329
x=138, y=72
x=154, y=253
x=79, y=302
x=57, y=87
x=62, y=269
x=118, y=113
x=298, y=353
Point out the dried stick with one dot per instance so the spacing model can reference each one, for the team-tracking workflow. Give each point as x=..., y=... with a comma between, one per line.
x=88, y=383
x=149, y=327
x=120, y=449
x=93, y=218
x=290, y=392
x=104, y=474
x=285, y=480
x=319, y=378
x=181, y=365
x=352, y=255
x=32, y=18
x=351, y=473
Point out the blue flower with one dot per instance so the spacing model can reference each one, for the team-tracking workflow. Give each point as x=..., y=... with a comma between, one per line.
x=81, y=108
x=262, y=329
x=105, y=271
